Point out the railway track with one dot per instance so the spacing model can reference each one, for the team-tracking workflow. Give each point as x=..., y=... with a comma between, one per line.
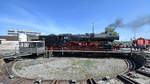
x=127, y=80
x=88, y=81
x=91, y=81
x=130, y=67
x=147, y=65
x=144, y=71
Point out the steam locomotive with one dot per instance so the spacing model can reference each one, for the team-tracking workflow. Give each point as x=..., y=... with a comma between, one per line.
x=88, y=41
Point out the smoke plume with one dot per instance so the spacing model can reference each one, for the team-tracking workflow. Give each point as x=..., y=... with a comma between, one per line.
x=116, y=24
x=137, y=23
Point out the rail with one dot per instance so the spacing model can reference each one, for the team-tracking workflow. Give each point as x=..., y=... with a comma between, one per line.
x=88, y=81
x=127, y=80
x=91, y=81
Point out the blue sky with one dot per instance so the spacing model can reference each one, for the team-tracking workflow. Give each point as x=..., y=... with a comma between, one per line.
x=72, y=16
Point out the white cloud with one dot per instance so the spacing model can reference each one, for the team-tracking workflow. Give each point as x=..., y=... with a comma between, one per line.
x=49, y=28
x=25, y=19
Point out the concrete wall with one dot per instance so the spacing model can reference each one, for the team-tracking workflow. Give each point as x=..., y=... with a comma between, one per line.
x=8, y=47
x=9, y=38
x=139, y=59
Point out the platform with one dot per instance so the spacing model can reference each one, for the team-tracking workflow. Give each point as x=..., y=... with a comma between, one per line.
x=83, y=51
x=50, y=53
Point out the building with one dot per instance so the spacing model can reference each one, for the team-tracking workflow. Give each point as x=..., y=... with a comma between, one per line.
x=9, y=38
x=17, y=35
x=12, y=32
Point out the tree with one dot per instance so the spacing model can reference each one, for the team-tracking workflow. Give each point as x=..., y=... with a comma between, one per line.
x=110, y=30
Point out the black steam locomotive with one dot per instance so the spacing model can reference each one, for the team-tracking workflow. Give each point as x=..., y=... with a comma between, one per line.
x=88, y=41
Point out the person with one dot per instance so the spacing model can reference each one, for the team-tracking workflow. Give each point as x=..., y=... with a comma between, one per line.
x=148, y=47
x=141, y=47
x=144, y=46
x=135, y=46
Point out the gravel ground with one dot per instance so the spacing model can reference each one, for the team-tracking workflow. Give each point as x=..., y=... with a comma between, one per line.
x=69, y=68
x=142, y=79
